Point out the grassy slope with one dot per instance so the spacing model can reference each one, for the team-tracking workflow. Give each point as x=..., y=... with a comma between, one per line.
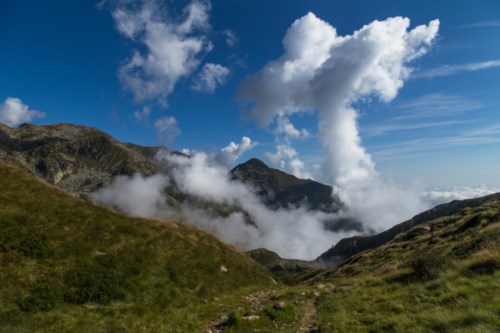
x=68, y=266
x=442, y=276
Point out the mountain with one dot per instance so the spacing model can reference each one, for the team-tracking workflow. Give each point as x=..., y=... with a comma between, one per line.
x=277, y=189
x=81, y=159
x=77, y=159
x=69, y=266
x=280, y=189
x=348, y=247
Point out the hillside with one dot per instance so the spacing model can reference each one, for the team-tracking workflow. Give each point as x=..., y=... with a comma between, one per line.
x=69, y=266
x=81, y=160
x=348, y=247
x=77, y=159
x=440, y=276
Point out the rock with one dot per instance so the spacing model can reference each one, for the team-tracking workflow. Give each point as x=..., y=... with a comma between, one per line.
x=279, y=306
x=223, y=268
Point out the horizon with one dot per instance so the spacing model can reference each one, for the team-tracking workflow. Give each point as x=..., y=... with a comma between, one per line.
x=439, y=127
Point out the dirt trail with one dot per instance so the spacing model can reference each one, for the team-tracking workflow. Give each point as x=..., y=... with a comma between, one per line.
x=307, y=324
x=256, y=301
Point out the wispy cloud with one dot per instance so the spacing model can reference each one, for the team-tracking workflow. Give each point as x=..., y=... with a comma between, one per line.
x=447, y=70
x=483, y=24
x=434, y=106
x=427, y=111
x=211, y=76
x=391, y=127
x=142, y=114
x=479, y=136
x=167, y=128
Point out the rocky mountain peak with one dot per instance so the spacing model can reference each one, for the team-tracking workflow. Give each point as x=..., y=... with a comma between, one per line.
x=78, y=159
x=279, y=189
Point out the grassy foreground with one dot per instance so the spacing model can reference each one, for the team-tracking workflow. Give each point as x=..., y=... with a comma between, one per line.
x=68, y=266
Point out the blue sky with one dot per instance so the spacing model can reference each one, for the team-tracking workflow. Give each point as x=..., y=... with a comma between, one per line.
x=64, y=58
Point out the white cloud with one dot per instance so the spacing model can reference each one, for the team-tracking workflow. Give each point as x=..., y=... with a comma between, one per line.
x=14, y=112
x=435, y=105
x=211, y=76
x=231, y=38
x=173, y=48
x=232, y=152
x=455, y=69
x=483, y=135
x=167, y=128
x=483, y=24
x=136, y=195
x=142, y=114
x=293, y=233
x=439, y=195
x=286, y=158
x=390, y=126
x=320, y=70
x=285, y=127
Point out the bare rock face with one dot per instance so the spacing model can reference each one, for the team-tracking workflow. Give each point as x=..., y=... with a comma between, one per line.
x=77, y=159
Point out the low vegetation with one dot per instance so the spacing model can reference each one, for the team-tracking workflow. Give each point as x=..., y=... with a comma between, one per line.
x=68, y=266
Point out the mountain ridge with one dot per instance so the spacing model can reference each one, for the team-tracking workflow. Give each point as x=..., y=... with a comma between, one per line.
x=351, y=246
x=76, y=158
x=280, y=189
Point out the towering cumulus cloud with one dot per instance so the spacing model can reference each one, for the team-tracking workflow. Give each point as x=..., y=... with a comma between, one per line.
x=320, y=70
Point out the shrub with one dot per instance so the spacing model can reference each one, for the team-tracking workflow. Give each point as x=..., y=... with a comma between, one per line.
x=93, y=283
x=427, y=266
x=44, y=295
x=21, y=234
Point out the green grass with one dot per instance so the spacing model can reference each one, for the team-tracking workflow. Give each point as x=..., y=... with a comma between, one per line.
x=70, y=266
x=444, y=280
x=452, y=303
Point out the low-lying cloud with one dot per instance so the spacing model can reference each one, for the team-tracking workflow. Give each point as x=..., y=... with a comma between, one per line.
x=136, y=195
x=232, y=210
x=225, y=207
x=439, y=195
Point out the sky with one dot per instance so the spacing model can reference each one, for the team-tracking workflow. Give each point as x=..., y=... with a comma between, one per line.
x=339, y=91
